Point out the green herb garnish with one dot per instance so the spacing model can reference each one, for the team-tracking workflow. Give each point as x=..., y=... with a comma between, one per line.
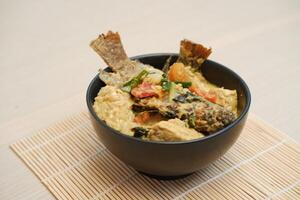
x=127, y=87
x=191, y=121
x=186, y=98
x=184, y=84
x=165, y=83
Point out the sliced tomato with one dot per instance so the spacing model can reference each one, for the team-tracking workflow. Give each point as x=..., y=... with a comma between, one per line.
x=208, y=96
x=196, y=91
x=144, y=90
x=211, y=97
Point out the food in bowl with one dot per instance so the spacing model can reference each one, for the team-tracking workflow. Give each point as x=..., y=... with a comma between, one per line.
x=176, y=103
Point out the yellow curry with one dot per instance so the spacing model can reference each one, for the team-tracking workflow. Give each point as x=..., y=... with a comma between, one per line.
x=173, y=104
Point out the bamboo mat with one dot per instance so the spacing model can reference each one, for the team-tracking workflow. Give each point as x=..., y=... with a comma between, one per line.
x=72, y=163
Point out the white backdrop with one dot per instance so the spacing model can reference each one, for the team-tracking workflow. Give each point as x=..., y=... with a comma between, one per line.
x=45, y=57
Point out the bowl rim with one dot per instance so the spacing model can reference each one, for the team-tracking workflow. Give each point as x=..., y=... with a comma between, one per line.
x=202, y=139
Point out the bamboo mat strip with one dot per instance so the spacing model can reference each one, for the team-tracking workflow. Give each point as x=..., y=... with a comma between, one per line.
x=72, y=163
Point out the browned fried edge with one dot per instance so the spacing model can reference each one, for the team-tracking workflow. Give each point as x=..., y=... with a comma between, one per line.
x=109, y=47
x=191, y=49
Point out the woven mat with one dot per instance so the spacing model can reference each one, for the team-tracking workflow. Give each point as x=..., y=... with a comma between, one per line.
x=72, y=163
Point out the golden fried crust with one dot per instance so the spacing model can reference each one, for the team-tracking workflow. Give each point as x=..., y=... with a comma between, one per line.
x=192, y=53
x=190, y=49
x=109, y=47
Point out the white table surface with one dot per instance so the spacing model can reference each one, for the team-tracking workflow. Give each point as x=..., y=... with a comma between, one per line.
x=46, y=62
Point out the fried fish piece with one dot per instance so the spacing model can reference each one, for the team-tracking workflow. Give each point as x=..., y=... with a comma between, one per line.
x=109, y=47
x=200, y=114
x=193, y=54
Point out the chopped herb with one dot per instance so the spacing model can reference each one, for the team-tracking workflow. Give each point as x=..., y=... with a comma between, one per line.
x=127, y=87
x=191, y=121
x=184, y=84
x=186, y=98
x=166, y=86
x=165, y=83
x=172, y=92
x=139, y=132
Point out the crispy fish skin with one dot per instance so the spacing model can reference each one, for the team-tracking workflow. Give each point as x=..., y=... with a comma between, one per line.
x=109, y=47
x=208, y=117
x=193, y=54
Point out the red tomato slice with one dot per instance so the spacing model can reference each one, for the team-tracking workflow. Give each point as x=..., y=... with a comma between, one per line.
x=144, y=90
x=208, y=96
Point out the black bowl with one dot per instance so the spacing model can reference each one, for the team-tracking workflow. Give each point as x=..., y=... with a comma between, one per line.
x=173, y=159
